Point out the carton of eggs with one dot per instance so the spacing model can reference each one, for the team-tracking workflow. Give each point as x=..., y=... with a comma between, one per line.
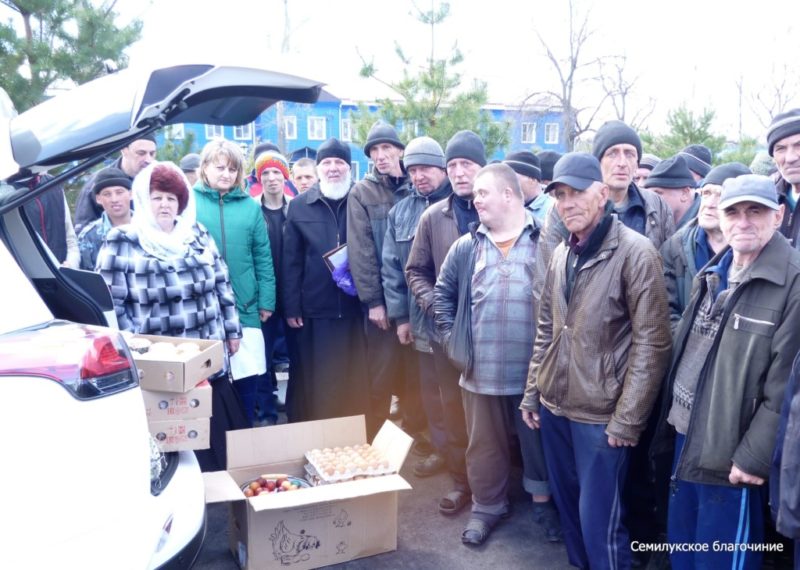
x=333, y=465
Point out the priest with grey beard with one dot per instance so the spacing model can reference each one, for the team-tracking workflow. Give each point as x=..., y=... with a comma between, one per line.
x=327, y=350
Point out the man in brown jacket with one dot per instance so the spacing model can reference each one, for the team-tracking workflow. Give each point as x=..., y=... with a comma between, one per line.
x=439, y=228
x=602, y=346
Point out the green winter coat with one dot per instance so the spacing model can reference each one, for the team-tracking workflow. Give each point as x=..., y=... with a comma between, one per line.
x=237, y=225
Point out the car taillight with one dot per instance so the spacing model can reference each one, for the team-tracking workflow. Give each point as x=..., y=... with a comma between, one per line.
x=89, y=361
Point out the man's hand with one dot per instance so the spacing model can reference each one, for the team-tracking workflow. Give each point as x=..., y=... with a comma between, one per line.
x=531, y=419
x=264, y=314
x=295, y=322
x=233, y=345
x=377, y=316
x=404, y=333
x=617, y=442
x=738, y=477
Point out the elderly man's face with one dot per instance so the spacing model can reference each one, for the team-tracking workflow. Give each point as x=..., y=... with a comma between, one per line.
x=426, y=178
x=333, y=170
x=462, y=173
x=137, y=156
x=786, y=153
x=748, y=226
x=580, y=210
x=618, y=165
x=708, y=215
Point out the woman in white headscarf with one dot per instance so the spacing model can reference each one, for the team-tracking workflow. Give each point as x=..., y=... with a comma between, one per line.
x=167, y=277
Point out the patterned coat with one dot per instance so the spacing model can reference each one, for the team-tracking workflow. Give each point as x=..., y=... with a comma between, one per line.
x=190, y=296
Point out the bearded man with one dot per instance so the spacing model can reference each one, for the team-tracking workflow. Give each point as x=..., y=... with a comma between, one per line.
x=326, y=337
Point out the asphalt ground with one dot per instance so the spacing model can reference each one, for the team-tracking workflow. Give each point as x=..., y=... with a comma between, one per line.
x=427, y=539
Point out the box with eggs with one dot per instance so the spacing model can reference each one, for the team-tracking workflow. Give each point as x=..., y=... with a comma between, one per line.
x=177, y=396
x=347, y=512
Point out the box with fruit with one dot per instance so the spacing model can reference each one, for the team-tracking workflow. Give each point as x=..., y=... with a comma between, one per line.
x=273, y=483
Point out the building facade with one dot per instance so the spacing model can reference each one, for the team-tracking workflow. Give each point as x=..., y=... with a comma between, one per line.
x=307, y=126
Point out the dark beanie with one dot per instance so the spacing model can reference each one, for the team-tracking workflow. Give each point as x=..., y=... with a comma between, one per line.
x=333, y=148
x=547, y=160
x=524, y=163
x=110, y=177
x=782, y=126
x=698, y=158
x=670, y=173
x=721, y=173
x=265, y=146
x=465, y=144
x=382, y=132
x=615, y=132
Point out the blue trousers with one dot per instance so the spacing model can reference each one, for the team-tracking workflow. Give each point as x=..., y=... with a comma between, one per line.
x=586, y=479
x=702, y=514
x=266, y=385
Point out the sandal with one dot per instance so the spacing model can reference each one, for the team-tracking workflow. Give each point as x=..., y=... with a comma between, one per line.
x=454, y=501
x=478, y=530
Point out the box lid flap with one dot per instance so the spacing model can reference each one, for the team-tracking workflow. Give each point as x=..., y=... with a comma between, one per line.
x=221, y=488
x=287, y=442
x=326, y=493
x=394, y=443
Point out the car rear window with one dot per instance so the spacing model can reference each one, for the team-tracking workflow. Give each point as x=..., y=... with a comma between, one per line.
x=20, y=304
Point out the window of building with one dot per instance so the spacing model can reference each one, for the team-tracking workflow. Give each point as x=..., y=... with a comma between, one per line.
x=243, y=132
x=214, y=132
x=551, y=133
x=529, y=133
x=347, y=130
x=412, y=128
x=290, y=127
x=354, y=171
x=176, y=132
x=370, y=167
x=316, y=128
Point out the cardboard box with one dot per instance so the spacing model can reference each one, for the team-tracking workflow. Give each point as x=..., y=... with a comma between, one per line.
x=196, y=403
x=182, y=435
x=314, y=527
x=179, y=374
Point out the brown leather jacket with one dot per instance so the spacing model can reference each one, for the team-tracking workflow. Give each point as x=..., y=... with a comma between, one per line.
x=600, y=357
x=436, y=232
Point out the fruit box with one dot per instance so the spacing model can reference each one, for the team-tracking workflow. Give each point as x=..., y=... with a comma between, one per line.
x=196, y=403
x=314, y=527
x=181, y=435
x=179, y=373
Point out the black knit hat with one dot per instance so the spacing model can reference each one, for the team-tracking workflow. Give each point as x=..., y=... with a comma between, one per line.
x=721, y=173
x=264, y=147
x=382, y=132
x=524, y=163
x=466, y=144
x=782, y=126
x=148, y=137
x=670, y=173
x=698, y=158
x=333, y=148
x=615, y=132
x=110, y=177
x=547, y=160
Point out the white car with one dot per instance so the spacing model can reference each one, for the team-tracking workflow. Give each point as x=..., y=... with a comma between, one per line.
x=76, y=489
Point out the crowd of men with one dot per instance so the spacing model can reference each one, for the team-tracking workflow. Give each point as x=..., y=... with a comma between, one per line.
x=623, y=326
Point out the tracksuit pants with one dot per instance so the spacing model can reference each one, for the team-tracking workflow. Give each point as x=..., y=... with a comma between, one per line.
x=586, y=479
x=702, y=514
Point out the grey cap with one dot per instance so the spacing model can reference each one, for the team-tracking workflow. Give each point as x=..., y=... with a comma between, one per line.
x=578, y=170
x=749, y=188
x=649, y=161
x=190, y=162
x=424, y=151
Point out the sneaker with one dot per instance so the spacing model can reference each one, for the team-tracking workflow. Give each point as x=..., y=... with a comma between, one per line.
x=429, y=466
x=546, y=515
x=422, y=447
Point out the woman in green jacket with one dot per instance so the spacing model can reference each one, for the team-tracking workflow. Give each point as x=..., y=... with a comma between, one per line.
x=237, y=225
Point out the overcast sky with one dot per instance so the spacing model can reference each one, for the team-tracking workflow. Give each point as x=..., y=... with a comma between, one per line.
x=679, y=51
